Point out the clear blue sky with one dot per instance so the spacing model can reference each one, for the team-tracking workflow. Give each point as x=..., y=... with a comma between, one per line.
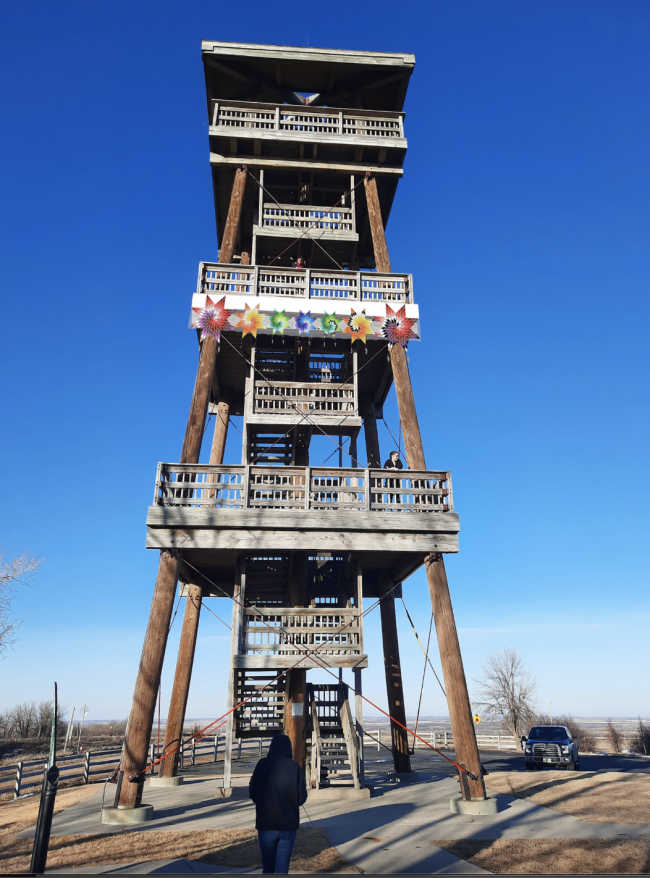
x=524, y=217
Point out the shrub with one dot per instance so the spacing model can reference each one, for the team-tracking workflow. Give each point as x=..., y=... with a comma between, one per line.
x=640, y=738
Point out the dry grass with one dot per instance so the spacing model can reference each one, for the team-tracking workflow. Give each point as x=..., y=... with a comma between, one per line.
x=230, y=847
x=601, y=797
x=568, y=856
x=227, y=847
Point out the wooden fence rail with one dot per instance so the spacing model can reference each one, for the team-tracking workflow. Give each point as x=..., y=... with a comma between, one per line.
x=24, y=776
x=441, y=740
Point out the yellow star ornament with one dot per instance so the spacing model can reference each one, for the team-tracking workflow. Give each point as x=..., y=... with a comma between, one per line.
x=358, y=326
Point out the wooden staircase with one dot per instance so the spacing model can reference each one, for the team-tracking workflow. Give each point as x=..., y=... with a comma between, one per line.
x=334, y=757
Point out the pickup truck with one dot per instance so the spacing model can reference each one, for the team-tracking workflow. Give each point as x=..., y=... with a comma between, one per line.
x=550, y=746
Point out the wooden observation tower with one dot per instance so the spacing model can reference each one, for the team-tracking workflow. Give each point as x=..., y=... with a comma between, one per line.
x=302, y=326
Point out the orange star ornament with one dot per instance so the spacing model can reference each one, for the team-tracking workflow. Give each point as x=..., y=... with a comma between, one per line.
x=250, y=321
x=358, y=326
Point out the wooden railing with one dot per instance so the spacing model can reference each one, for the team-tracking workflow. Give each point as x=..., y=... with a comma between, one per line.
x=316, y=745
x=301, y=629
x=256, y=281
x=292, y=216
x=241, y=118
x=351, y=742
x=319, y=398
x=308, y=488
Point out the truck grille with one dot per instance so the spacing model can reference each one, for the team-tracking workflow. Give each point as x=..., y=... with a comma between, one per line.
x=541, y=750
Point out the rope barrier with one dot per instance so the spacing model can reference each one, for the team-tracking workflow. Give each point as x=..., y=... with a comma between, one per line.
x=426, y=654
x=424, y=671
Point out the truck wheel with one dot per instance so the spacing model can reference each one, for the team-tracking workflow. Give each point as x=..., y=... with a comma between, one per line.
x=571, y=766
x=530, y=767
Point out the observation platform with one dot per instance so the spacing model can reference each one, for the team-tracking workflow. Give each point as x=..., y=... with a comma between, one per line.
x=214, y=513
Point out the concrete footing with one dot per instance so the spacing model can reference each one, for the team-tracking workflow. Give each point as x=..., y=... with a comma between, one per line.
x=335, y=793
x=403, y=777
x=475, y=807
x=124, y=816
x=175, y=781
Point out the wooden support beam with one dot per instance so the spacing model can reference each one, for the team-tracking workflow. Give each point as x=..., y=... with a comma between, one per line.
x=460, y=713
x=393, y=668
x=189, y=632
x=182, y=677
x=355, y=167
x=370, y=432
x=221, y=428
x=294, y=713
x=199, y=407
x=136, y=742
x=295, y=703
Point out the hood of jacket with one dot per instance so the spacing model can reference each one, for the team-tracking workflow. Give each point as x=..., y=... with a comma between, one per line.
x=281, y=746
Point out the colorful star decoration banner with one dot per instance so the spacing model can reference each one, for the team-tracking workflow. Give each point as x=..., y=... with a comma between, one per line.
x=376, y=321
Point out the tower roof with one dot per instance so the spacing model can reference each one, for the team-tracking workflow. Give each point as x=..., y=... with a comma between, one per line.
x=298, y=74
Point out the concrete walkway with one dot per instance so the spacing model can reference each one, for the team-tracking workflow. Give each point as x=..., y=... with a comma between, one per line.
x=394, y=831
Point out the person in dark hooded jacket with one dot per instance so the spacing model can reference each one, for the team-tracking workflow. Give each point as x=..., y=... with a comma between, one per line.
x=278, y=789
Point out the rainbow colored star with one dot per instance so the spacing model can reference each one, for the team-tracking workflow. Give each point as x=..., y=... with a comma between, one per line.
x=212, y=319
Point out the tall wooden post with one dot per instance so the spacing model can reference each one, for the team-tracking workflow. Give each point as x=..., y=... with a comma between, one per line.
x=295, y=701
x=182, y=677
x=393, y=668
x=460, y=713
x=207, y=359
x=189, y=632
x=371, y=434
x=220, y=429
x=136, y=742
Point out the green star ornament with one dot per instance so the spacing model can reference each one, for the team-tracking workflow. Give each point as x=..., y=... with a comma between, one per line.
x=279, y=322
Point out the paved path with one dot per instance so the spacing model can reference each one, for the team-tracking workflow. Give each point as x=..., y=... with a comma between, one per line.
x=394, y=831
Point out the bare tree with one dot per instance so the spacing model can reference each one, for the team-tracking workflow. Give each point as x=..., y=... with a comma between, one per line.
x=614, y=736
x=20, y=569
x=506, y=691
x=24, y=719
x=640, y=739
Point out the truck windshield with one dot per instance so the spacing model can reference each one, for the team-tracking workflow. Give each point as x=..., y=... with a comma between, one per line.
x=547, y=733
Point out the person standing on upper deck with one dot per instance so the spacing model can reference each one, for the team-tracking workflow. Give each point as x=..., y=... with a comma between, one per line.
x=395, y=463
